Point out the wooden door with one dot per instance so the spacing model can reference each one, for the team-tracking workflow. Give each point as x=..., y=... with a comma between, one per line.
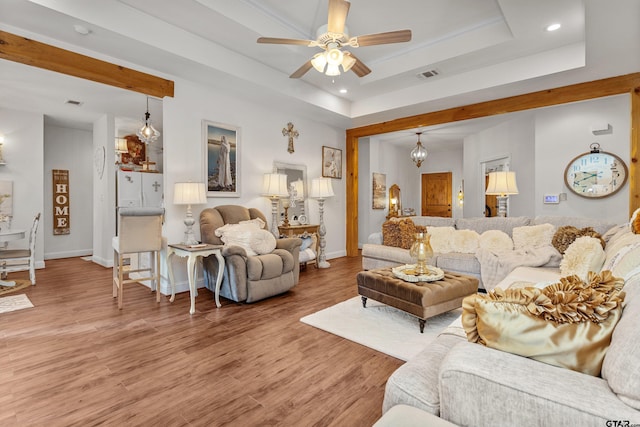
x=490, y=202
x=436, y=194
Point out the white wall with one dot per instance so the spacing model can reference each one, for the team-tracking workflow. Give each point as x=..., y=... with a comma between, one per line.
x=514, y=139
x=563, y=134
x=23, y=153
x=380, y=157
x=69, y=149
x=260, y=144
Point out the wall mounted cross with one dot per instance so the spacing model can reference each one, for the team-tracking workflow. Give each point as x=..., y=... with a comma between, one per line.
x=291, y=133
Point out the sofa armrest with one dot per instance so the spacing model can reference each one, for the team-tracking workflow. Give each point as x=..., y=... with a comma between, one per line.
x=288, y=243
x=483, y=386
x=375, y=238
x=228, y=250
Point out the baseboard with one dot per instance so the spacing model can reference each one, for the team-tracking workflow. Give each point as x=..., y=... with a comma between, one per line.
x=68, y=254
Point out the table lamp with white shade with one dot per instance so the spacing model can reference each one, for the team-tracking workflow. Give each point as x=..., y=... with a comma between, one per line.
x=189, y=193
x=321, y=189
x=502, y=184
x=274, y=186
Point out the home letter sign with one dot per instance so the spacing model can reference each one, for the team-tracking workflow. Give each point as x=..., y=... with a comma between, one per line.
x=60, y=202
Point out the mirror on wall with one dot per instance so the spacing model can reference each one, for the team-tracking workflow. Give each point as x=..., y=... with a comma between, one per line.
x=395, y=201
x=297, y=185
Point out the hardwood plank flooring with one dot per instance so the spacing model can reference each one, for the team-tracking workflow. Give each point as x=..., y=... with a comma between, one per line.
x=76, y=360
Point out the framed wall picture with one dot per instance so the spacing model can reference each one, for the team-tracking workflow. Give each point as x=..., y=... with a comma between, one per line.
x=331, y=162
x=222, y=160
x=136, y=151
x=379, y=186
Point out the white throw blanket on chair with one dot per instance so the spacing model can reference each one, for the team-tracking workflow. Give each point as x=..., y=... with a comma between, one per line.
x=495, y=266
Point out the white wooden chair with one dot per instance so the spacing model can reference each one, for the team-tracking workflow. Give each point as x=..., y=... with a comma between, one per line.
x=139, y=231
x=21, y=259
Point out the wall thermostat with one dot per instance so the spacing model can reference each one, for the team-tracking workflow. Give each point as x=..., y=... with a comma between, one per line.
x=552, y=198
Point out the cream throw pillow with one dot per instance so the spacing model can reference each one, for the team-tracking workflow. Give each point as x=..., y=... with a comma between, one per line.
x=495, y=241
x=533, y=235
x=440, y=238
x=249, y=236
x=465, y=241
x=585, y=254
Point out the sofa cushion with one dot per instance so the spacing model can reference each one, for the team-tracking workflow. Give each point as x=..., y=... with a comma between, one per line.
x=534, y=236
x=482, y=224
x=585, y=254
x=495, y=240
x=621, y=366
x=433, y=221
x=567, y=324
x=600, y=225
x=567, y=234
x=464, y=263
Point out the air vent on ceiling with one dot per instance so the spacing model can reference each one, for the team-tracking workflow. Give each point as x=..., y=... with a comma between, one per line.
x=428, y=74
x=72, y=102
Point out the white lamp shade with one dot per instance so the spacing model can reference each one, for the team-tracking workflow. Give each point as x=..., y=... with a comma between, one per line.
x=299, y=187
x=502, y=183
x=121, y=145
x=274, y=185
x=189, y=193
x=321, y=188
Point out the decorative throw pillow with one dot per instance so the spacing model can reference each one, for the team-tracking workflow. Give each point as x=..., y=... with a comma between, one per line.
x=495, y=241
x=585, y=254
x=625, y=260
x=258, y=222
x=400, y=233
x=441, y=238
x=567, y=234
x=567, y=324
x=533, y=235
x=262, y=242
x=634, y=224
x=465, y=241
x=237, y=235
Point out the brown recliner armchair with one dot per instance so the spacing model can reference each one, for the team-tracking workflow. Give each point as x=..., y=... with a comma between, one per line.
x=248, y=278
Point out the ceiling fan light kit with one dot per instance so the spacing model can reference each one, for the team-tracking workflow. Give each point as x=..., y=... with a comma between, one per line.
x=332, y=37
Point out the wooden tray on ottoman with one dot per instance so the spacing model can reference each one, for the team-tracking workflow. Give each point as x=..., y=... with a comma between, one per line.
x=421, y=299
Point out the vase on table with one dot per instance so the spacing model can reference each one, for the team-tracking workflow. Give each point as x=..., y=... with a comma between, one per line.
x=421, y=252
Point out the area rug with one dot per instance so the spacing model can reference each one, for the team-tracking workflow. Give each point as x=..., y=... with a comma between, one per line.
x=19, y=285
x=14, y=302
x=378, y=326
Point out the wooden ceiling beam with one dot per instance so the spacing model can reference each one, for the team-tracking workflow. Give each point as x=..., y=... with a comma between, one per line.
x=30, y=52
x=629, y=83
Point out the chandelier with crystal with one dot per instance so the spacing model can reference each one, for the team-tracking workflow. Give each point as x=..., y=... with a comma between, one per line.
x=419, y=153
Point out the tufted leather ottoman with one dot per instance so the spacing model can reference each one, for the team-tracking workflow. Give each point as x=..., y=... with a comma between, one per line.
x=422, y=299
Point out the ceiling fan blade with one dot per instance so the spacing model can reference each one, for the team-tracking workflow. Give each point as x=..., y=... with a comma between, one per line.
x=273, y=40
x=359, y=68
x=338, y=11
x=302, y=70
x=399, y=36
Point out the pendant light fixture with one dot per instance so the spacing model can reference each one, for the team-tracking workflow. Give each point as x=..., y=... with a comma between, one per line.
x=147, y=133
x=419, y=153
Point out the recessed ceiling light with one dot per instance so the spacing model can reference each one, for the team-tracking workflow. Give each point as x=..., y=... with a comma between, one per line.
x=343, y=91
x=553, y=27
x=81, y=29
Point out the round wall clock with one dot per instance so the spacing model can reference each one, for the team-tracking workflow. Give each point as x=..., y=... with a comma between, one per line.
x=99, y=157
x=596, y=174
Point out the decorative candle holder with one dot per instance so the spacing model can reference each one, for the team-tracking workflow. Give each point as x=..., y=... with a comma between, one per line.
x=421, y=251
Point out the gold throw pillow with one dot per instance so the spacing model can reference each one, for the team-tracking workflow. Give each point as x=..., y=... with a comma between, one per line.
x=567, y=324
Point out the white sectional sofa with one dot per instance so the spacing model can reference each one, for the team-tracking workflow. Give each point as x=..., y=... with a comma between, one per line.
x=470, y=384
x=377, y=255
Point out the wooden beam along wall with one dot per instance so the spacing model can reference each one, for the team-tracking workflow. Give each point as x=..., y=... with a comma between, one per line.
x=30, y=52
x=629, y=83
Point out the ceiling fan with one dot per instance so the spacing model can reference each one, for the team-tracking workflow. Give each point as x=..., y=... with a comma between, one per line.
x=332, y=38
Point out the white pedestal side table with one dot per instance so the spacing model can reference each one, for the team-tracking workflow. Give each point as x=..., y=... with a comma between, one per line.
x=192, y=252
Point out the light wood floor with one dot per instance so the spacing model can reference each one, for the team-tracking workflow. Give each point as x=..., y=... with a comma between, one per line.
x=76, y=360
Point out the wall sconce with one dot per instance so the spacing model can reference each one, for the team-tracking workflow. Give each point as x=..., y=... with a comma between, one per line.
x=461, y=194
